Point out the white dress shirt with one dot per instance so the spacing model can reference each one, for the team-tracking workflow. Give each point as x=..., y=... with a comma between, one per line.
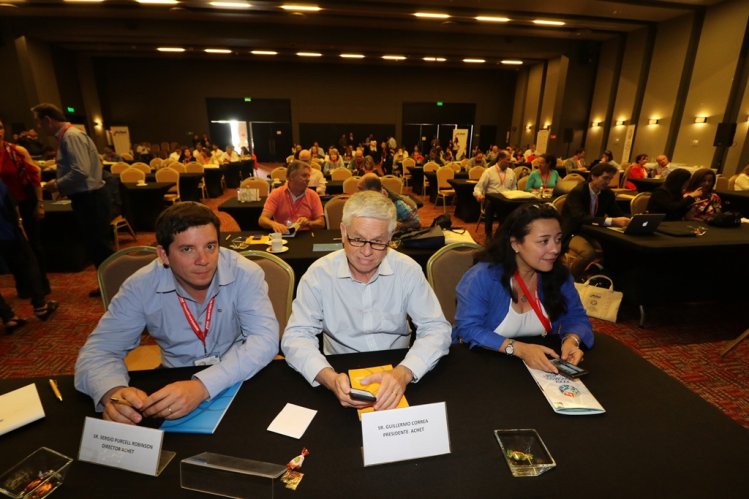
x=494, y=180
x=362, y=317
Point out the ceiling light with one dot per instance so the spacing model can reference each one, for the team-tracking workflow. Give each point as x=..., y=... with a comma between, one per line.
x=232, y=5
x=309, y=54
x=264, y=52
x=548, y=22
x=432, y=15
x=474, y=61
x=217, y=51
x=700, y=119
x=352, y=56
x=434, y=59
x=492, y=19
x=394, y=57
x=595, y=124
x=620, y=122
x=83, y=1
x=170, y=49
x=301, y=8
x=512, y=62
x=158, y=2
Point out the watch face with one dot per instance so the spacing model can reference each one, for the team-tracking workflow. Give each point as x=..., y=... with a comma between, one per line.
x=509, y=349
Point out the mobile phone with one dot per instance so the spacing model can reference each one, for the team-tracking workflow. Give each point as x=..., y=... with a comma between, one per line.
x=362, y=395
x=568, y=370
x=257, y=237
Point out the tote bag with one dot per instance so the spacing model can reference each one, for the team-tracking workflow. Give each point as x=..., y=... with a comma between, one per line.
x=601, y=303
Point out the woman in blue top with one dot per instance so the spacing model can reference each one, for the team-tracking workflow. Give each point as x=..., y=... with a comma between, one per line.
x=520, y=289
x=546, y=177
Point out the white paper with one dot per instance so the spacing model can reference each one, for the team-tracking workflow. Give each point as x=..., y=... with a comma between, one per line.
x=20, y=407
x=129, y=447
x=408, y=433
x=566, y=396
x=292, y=421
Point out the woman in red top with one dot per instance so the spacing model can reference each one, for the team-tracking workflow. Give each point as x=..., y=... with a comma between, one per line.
x=23, y=178
x=637, y=170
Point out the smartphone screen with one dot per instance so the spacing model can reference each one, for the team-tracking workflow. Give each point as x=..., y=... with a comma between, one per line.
x=567, y=369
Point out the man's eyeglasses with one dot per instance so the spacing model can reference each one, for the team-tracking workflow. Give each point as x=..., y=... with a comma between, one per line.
x=359, y=243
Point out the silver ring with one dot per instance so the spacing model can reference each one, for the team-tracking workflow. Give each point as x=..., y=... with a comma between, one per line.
x=170, y=409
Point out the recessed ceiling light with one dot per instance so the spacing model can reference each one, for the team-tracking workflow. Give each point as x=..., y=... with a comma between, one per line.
x=309, y=54
x=232, y=5
x=158, y=2
x=548, y=22
x=434, y=59
x=217, y=51
x=170, y=49
x=432, y=15
x=352, y=56
x=474, y=61
x=394, y=57
x=264, y=52
x=515, y=62
x=83, y=1
x=493, y=19
x=301, y=7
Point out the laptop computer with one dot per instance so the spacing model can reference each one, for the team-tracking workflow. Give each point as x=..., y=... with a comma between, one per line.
x=644, y=223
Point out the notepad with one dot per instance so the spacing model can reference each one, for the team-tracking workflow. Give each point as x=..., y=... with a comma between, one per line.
x=566, y=396
x=206, y=417
x=356, y=375
x=292, y=421
x=19, y=408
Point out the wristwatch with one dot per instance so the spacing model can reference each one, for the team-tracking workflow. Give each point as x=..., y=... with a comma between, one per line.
x=509, y=349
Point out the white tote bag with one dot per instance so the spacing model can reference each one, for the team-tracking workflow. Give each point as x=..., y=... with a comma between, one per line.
x=601, y=303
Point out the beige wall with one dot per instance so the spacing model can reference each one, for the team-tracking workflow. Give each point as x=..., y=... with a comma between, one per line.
x=738, y=155
x=601, y=95
x=714, y=68
x=550, y=94
x=521, y=87
x=535, y=76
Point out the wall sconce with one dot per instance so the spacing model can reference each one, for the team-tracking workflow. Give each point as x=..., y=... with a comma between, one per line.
x=547, y=126
x=620, y=122
x=529, y=127
x=654, y=121
x=700, y=119
x=595, y=124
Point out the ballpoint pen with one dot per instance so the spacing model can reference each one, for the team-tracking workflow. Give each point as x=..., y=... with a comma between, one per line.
x=55, y=389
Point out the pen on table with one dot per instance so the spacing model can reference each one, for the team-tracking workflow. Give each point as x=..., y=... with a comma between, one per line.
x=55, y=389
x=312, y=233
x=227, y=237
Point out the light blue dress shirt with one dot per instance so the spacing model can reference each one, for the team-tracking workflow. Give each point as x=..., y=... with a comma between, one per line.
x=78, y=166
x=243, y=333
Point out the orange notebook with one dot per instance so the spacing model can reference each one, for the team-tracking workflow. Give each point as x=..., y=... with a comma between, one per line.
x=356, y=375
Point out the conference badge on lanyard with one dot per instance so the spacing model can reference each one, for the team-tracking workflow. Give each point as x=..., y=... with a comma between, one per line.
x=208, y=360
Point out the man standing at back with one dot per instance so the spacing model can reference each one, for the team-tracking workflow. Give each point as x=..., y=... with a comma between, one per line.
x=79, y=177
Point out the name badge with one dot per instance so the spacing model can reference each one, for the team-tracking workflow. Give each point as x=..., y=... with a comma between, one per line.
x=128, y=447
x=401, y=434
x=207, y=361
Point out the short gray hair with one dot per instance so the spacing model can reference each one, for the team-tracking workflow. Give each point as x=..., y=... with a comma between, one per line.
x=295, y=166
x=369, y=204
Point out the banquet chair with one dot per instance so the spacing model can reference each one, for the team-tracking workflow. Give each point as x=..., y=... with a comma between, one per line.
x=574, y=176
x=392, y=183
x=639, y=203
x=142, y=167
x=444, y=189
x=132, y=175
x=197, y=168
x=732, y=182
x=117, y=223
x=721, y=183
x=155, y=149
x=614, y=182
x=445, y=268
x=465, y=163
x=280, y=279
x=522, y=182
x=338, y=174
x=558, y=203
x=457, y=167
x=111, y=274
x=476, y=172
x=581, y=254
x=227, y=222
x=119, y=167
x=155, y=163
x=126, y=156
x=255, y=183
x=279, y=173
x=430, y=166
x=351, y=185
x=165, y=149
x=179, y=167
x=334, y=211
x=406, y=173
x=169, y=175
x=565, y=185
x=521, y=171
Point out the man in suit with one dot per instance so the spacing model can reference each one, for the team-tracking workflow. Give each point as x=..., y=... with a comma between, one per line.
x=592, y=202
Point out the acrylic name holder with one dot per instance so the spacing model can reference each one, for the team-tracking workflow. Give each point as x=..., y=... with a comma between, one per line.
x=128, y=447
x=401, y=434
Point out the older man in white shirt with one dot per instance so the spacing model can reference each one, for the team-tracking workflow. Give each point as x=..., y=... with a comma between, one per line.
x=498, y=178
x=360, y=299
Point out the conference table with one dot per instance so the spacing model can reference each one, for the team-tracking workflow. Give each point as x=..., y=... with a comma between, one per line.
x=62, y=239
x=735, y=201
x=504, y=205
x=658, y=268
x=466, y=206
x=142, y=204
x=657, y=438
x=189, y=184
x=245, y=213
x=646, y=184
x=213, y=176
x=417, y=179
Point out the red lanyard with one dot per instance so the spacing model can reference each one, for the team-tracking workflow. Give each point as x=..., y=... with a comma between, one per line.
x=534, y=302
x=544, y=180
x=64, y=131
x=501, y=178
x=194, y=324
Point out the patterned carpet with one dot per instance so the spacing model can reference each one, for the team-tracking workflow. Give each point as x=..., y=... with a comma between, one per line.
x=683, y=341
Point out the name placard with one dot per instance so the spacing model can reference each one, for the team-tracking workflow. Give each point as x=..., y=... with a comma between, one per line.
x=401, y=434
x=128, y=447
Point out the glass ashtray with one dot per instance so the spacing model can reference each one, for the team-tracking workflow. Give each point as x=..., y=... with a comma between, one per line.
x=525, y=452
x=37, y=476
